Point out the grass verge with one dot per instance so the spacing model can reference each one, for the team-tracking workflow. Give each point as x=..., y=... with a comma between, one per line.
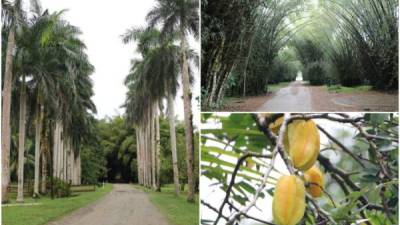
x=342, y=89
x=48, y=209
x=277, y=87
x=176, y=209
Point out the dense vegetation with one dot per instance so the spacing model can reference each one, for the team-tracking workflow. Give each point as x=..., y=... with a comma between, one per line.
x=114, y=153
x=263, y=42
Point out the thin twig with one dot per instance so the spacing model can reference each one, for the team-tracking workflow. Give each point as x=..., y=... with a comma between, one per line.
x=344, y=148
x=250, y=217
x=213, y=209
x=232, y=181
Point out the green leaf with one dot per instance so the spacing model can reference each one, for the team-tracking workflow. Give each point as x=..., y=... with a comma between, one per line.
x=219, y=151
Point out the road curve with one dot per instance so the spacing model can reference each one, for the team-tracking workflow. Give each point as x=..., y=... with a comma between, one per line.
x=294, y=98
x=124, y=205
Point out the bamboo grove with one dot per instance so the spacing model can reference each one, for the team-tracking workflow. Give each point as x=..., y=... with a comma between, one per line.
x=154, y=78
x=46, y=99
x=267, y=41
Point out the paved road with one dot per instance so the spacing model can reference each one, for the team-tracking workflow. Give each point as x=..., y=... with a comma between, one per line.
x=294, y=98
x=124, y=205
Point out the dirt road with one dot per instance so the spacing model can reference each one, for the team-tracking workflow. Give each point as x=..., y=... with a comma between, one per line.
x=124, y=205
x=294, y=98
x=298, y=96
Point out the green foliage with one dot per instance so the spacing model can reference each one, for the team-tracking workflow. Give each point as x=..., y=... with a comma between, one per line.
x=313, y=60
x=341, y=89
x=118, y=145
x=236, y=134
x=117, y=151
x=347, y=64
x=93, y=164
x=315, y=73
x=366, y=43
x=61, y=188
x=242, y=43
x=166, y=154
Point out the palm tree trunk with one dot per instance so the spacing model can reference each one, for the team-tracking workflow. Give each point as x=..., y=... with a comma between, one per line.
x=75, y=179
x=5, y=118
x=69, y=163
x=171, y=117
x=145, y=154
x=140, y=149
x=78, y=167
x=61, y=154
x=72, y=167
x=153, y=146
x=158, y=183
x=45, y=151
x=137, y=132
x=187, y=103
x=21, y=141
x=44, y=164
x=64, y=159
x=55, y=149
x=38, y=133
x=148, y=151
x=137, y=155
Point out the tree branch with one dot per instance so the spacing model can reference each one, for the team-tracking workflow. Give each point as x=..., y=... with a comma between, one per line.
x=344, y=148
x=232, y=181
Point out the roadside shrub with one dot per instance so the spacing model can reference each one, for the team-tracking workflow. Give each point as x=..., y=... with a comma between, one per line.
x=61, y=188
x=347, y=65
x=315, y=73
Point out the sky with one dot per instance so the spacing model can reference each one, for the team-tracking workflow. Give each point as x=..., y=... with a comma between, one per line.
x=102, y=24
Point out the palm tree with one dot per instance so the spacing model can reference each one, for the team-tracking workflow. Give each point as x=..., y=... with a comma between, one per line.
x=43, y=77
x=21, y=140
x=12, y=17
x=158, y=71
x=180, y=16
x=61, y=83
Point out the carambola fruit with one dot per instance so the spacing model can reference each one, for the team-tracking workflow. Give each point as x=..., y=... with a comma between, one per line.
x=288, y=205
x=315, y=178
x=302, y=143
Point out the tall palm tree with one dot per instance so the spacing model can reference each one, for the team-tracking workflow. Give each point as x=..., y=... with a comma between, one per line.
x=181, y=16
x=54, y=57
x=12, y=16
x=158, y=71
x=42, y=70
x=21, y=140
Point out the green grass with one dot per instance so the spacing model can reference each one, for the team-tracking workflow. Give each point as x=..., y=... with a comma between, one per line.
x=49, y=209
x=342, y=89
x=177, y=210
x=276, y=87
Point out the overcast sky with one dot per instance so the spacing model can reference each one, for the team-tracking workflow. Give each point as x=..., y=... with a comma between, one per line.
x=102, y=23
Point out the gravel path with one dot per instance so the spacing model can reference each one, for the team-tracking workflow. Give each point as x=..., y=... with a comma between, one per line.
x=122, y=206
x=294, y=98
